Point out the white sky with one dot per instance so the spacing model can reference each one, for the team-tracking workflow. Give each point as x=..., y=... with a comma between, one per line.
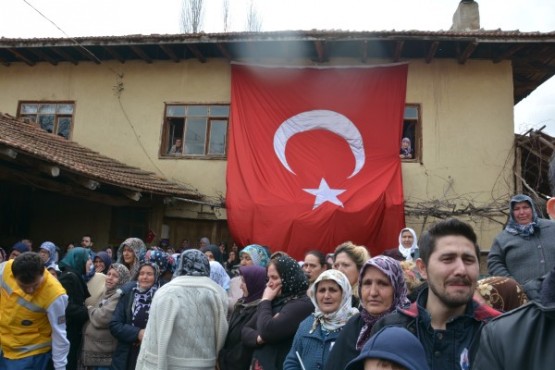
x=126, y=17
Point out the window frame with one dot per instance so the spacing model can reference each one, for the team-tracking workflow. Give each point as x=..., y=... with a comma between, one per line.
x=167, y=131
x=57, y=116
x=417, y=142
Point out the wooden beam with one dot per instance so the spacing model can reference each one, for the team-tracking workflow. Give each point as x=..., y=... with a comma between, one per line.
x=398, y=50
x=432, y=51
x=43, y=55
x=508, y=53
x=467, y=52
x=140, y=52
x=65, y=55
x=364, y=51
x=117, y=56
x=21, y=57
x=169, y=52
x=196, y=52
x=221, y=47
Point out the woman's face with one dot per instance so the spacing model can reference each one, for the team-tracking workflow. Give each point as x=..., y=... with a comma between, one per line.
x=522, y=213
x=274, y=280
x=109, y=251
x=376, y=291
x=99, y=265
x=44, y=255
x=128, y=255
x=231, y=256
x=346, y=265
x=112, y=279
x=146, y=277
x=405, y=144
x=244, y=287
x=328, y=296
x=246, y=260
x=407, y=239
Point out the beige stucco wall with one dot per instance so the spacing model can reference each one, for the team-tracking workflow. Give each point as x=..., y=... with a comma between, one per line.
x=467, y=117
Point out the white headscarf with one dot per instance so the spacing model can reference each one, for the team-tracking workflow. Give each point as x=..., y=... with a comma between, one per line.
x=335, y=320
x=408, y=252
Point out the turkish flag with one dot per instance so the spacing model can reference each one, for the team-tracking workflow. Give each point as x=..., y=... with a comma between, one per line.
x=313, y=157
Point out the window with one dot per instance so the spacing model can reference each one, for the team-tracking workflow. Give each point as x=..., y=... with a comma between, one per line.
x=411, y=140
x=195, y=130
x=53, y=117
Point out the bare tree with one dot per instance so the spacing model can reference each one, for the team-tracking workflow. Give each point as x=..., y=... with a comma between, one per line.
x=191, y=16
x=226, y=14
x=254, y=21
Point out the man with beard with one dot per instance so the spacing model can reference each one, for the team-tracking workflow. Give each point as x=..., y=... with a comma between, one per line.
x=445, y=318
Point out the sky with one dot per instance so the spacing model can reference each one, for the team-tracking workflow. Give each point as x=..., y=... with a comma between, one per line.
x=74, y=18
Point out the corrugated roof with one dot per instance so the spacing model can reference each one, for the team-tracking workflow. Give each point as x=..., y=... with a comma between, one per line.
x=29, y=139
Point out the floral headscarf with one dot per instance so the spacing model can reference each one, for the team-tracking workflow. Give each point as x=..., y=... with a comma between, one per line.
x=51, y=249
x=392, y=269
x=219, y=275
x=293, y=280
x=514, y=227
x=139, y=249
x=502, y=293
x=258, y=254
x=164, y=261
x=255, y=279
x=123, y=274
x=193, y=263
x=337, y=319
x=408, y=252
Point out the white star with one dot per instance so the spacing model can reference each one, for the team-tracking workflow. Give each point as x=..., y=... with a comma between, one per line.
x=325, y=194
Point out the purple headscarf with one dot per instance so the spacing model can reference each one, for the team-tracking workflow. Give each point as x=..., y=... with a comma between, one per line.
x=394, y=272
x=255, y=279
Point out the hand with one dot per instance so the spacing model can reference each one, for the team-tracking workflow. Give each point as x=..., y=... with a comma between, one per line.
x=271, y=292
x=141, y=335
x=259, y=340
x=98, y=269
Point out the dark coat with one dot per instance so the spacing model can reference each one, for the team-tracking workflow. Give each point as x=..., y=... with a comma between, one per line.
x=344, y=350
x=76, y=312
x=277, y=332
x=235, y=355
x=121, y=328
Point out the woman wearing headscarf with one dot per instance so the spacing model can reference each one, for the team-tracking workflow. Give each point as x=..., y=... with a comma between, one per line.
x=251, y=255
x=187, y=325
x=331, y=296
x=406, y=151
x=131, y=253
x=408, y=246
x=284, y=305
x=131, y=316
x=235, y=355
x=525, y=249
x=500, y=292
x=98, y=343
x=102, y=262
x=47, y=252
x=382, y=289
x=165, y=262
x=75, y=267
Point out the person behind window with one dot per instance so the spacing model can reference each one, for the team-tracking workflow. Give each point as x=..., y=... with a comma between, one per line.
x=177, y=147
x=406, y=151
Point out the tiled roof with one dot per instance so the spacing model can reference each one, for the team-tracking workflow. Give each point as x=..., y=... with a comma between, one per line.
x=30, y=140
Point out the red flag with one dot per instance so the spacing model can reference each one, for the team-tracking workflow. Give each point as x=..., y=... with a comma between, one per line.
x=313, y=157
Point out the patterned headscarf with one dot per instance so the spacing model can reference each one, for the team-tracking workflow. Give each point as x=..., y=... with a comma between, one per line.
x=502, y=293
x=293, y=280
x=164, y=261
x=123, y=274
x=255, y=280
x=219, y=275
x=337, y=319
x=51, y=249
x=408, y=252
x=106, y=259
x=142, y=298
x=76, y=259
x=392, y=269
x=257, y=253
x=139, y=249
x=193, y=263
x=514, y=227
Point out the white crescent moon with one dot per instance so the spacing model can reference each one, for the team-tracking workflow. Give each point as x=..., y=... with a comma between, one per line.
x=320, y=120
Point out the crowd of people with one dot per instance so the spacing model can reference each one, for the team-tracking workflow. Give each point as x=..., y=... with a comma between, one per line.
x=420, y=305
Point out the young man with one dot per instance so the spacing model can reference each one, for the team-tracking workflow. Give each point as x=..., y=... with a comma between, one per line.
x=32, y=315
x=444, y=317
x=87, y=241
